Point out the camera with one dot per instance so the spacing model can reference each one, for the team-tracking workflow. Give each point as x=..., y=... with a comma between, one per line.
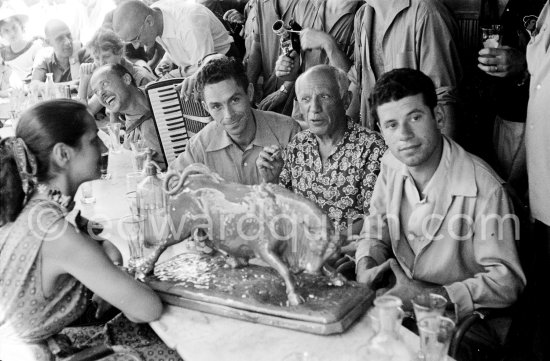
x=289, y=35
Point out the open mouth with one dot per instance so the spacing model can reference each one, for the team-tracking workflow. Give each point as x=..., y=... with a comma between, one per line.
x=109, y=100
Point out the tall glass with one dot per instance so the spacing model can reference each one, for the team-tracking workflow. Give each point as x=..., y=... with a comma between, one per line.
x=428, y=304
x=114, y=137
x=87, y=192
x=139, y=155
x=435, y=333
x=134, y=227
x=105, y=165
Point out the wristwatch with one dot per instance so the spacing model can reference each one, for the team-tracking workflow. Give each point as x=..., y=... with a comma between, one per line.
x=283, y=89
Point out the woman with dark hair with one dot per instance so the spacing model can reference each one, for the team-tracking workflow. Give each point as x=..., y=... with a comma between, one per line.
x=47, y=265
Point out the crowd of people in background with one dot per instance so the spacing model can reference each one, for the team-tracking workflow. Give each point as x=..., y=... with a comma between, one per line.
x=357, y=107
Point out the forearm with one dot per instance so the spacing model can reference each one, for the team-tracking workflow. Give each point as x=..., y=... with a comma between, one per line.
x=353, y=110
x=83, y=89
x=450, y=116
x=337, y=57
x=254, y=66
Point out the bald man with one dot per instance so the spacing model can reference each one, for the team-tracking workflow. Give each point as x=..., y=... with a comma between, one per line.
x=186, y=30
x=62, y=60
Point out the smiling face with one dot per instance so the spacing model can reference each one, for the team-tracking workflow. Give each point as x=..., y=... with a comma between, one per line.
x=411, y=130
x=11, y=30
x=59, y=37
x=229, y=104
x=113, y=92
x=321, y=104
x=103, y=57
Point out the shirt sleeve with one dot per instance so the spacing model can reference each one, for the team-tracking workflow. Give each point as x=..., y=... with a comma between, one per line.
x=40, y=68
x=371, y=170
x=285, y=178
x=191, y=155
x=199, y=37
x=438, y=52
x=374, y=240
x=500, y=279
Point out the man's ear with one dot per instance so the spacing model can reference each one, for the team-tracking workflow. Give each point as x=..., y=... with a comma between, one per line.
x=250, y=92
x=346, y=99
x=61, y=154
x=127, y=79
x=203, y=103
x=150, y=20
x=439, y=114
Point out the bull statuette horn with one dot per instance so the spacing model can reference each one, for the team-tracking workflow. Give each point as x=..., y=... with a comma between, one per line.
x=192, y=169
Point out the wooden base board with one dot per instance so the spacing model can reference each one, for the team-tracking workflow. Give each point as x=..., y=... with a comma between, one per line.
x=257, y=294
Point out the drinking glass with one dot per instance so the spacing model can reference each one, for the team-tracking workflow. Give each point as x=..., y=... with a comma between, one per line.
x=105, y=165
x=491, y=36
x=139, y=155
x=131, y=198
x=87, y=193
x=435, y=337
x=132, y=181
x=114, y=137
x=428, y=304
x=134, y=227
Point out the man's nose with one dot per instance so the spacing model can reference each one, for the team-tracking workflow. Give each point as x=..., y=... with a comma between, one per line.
x=405, y=131
x=228, y=113
x=315, y=104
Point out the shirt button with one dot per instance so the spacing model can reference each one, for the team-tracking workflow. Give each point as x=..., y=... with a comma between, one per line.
x=245, y=164
x=538, y=87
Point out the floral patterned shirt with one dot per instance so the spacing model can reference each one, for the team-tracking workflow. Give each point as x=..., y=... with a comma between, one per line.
x=342, y=186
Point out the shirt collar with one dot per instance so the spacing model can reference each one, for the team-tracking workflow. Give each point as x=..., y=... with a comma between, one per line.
x=264, y=135
x=455, y=170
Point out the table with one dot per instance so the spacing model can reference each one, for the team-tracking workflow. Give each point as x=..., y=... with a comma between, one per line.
x=199, y=336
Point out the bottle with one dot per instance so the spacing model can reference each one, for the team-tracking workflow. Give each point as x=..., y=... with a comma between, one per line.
x=387, y=343
x=49, y=87
x=151, y=202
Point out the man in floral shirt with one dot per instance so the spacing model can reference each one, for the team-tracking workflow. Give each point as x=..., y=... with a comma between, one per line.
x=335, y=162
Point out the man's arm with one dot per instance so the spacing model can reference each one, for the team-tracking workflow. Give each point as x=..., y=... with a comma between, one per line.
x=374, y=243
x=353, y=110
x=501, y=278
x=316, y=39
x=439, y=60
x=191, y=155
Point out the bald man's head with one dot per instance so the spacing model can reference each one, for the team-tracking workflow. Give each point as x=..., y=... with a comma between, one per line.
x=58, y=36
x=134, y=22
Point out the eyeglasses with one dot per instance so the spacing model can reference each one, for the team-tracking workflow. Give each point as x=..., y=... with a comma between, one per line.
x=101, y=87
x=137, y=38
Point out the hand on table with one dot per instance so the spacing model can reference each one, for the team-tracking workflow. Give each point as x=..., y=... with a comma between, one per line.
x=502, y=62
x=372, y=276
x=270, y=163
x=406, y=288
